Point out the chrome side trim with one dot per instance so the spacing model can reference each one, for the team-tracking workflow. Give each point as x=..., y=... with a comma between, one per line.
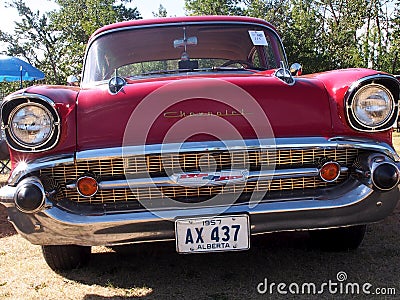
x=167, y=181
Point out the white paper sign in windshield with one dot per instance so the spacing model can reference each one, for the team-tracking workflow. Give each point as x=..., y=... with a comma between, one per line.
x=258, y=38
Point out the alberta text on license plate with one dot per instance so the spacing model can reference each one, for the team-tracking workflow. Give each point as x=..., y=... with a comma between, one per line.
x=211, y=234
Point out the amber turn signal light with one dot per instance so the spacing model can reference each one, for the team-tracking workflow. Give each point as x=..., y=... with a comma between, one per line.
x=330, y=171
x=87, y=186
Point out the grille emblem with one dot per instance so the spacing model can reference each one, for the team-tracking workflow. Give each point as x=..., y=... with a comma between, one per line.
x=225, y=177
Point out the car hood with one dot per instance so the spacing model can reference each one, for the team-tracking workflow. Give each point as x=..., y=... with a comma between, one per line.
x=174, y=110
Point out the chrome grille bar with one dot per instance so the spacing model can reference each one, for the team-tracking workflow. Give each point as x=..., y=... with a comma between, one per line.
x=140, y=164
x=167, y=181
x=177, y=192
x=148, y=174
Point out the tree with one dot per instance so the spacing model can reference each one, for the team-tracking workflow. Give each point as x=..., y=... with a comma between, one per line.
x=76, y=20
x=302, y=34
x=275, y=11
x=89, y=15
x=35, y=40
x=162, y=12
x=55, y=42
x=325, y=34
x=394, y=50
x=341, y=21
x=213, y=7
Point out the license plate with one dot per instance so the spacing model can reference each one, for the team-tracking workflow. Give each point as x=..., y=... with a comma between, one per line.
x=225, y=233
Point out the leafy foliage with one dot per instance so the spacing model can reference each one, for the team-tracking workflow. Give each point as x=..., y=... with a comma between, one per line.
x=214, y=7
x=162, y=12
x=394, y=37
x=326, y=34
x=76, y=20
x=35, y=40
x=321, y=35
x=55, y=42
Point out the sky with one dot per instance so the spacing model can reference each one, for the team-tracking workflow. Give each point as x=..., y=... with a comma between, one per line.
x=146, y=7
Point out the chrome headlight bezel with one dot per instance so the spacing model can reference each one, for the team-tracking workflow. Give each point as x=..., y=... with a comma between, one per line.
x=358, y=109
x=45, y=108
x=46, y=130
x=388, y=88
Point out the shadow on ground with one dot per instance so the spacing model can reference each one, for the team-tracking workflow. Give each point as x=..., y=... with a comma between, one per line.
x=6, y=229
x=273, y=258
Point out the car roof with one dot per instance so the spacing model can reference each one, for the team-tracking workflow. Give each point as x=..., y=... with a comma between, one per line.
x=174, y=20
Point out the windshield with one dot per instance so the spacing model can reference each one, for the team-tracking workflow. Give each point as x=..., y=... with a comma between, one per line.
x=169, y=49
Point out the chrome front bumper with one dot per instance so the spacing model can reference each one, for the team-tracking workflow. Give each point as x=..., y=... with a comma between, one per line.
x=353, y=202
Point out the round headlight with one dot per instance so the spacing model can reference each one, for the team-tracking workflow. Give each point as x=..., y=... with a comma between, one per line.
x=31, y=124
x=372, y=105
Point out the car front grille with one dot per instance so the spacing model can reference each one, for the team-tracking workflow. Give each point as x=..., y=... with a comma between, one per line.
x=187, y=193
x=155, y=165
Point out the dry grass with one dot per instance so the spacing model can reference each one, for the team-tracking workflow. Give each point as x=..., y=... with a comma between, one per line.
x=155, y=271
x=24, y=275
x=158, y=272
x=396, y=141
x=3, y=179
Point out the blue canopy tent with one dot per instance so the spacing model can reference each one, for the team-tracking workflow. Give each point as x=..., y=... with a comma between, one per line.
x=15, y=69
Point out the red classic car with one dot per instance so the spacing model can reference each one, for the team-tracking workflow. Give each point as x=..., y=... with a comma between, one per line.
x=195, y=129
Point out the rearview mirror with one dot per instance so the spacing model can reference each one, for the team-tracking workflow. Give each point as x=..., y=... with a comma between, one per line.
x=181, y=43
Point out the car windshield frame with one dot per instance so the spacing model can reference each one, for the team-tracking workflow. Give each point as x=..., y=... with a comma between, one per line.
x=136, y=52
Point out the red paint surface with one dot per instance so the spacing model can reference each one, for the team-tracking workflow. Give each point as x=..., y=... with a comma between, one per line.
x=197, y=109
x=219, y=106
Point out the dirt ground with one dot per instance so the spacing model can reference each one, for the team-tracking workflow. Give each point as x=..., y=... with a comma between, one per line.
x=156, y=271
x=6, y=229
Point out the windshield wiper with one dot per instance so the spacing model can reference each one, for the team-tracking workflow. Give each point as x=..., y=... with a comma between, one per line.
x=158, y=72
x=211, y=69
x=234, y=69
